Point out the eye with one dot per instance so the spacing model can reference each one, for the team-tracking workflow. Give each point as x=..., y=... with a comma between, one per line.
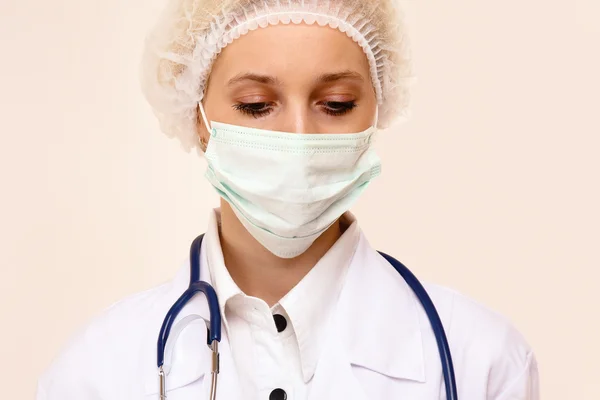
x=338, y=107
x=254, y=109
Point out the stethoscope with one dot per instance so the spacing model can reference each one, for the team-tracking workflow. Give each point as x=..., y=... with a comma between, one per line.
x=214, y=325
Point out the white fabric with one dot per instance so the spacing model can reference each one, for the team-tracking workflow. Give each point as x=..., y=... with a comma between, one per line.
x=174, y=335
x=379, y=345
x=263, y=357
x=182, y=48
x=285, y=188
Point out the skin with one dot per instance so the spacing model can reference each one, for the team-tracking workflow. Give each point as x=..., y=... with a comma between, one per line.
x=256, y=82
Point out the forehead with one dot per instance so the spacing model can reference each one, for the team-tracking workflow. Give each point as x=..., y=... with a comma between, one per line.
x=291, y=51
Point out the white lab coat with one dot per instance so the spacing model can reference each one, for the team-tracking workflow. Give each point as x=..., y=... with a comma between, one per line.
x=378, y=346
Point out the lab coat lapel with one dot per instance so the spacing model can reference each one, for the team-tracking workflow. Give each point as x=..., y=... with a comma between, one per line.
x=333, y=378
x=380, y=318
x=376, y=326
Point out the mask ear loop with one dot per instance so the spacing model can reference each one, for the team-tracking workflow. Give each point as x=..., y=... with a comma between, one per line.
x=205, y=120
x=376, y=116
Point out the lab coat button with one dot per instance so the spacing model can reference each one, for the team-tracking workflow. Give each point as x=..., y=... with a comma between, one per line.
x=278, y=394
x=280, y=322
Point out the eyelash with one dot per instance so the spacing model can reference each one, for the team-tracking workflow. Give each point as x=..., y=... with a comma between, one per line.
x=257, y=110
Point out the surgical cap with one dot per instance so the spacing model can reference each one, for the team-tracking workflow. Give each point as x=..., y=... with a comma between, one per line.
x=181, y=49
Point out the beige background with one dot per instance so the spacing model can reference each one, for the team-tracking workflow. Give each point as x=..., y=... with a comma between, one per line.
x=492, y=188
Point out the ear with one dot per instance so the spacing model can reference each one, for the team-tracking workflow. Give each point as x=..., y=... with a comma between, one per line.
x=201, y=130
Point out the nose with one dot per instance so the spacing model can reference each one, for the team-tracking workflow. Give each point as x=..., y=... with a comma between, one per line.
x=296, y=118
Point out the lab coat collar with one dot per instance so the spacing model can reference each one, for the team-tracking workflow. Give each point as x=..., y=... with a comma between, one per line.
x=221, y=280
x=375, y=326
x=378, y=318
x=311, y=303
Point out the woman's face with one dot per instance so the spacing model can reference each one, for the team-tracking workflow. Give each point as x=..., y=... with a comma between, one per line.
x=291, y=78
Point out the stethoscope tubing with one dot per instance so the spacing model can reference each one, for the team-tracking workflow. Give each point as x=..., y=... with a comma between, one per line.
x=214, y=330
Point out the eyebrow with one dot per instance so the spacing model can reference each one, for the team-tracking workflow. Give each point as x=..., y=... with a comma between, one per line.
x=348, y=74
x=266, y=79
x=270, y=80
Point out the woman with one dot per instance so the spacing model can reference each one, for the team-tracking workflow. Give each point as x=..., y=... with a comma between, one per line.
x=285, y=98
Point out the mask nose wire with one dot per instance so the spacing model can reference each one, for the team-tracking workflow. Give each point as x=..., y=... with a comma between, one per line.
x=204, y=117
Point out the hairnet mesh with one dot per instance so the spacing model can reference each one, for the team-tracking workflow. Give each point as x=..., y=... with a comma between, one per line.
x=182, y=47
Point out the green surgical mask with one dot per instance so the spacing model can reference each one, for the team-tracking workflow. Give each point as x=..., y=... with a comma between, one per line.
x=288, y=188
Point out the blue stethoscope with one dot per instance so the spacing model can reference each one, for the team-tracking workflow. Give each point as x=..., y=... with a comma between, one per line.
x=214, y=329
